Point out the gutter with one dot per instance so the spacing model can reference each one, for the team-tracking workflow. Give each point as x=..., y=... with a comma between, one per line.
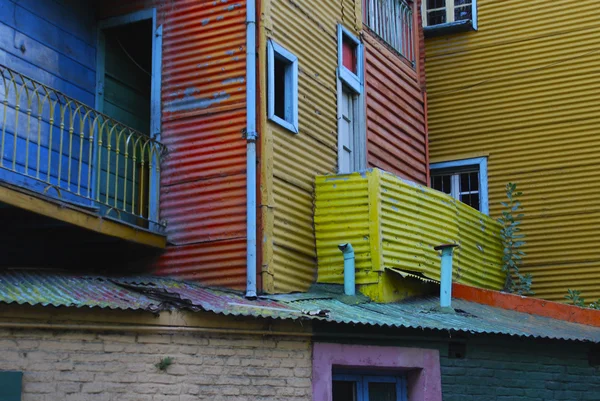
x=251, y=137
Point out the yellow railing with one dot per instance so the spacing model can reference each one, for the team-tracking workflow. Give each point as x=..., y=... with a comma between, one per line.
x=54, y=142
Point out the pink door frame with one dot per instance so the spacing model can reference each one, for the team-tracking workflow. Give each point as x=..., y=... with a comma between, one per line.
x=421, y=366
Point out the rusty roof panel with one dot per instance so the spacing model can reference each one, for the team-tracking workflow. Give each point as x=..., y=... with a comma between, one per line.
x=323, y=303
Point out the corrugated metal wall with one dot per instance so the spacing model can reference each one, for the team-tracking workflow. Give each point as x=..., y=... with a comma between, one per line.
x=393, y=223
x=203, y=97
x=396, y=138
x=524, y=91
x=290, y=162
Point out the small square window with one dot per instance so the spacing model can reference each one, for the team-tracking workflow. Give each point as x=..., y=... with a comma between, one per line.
x=282, y=87
x=464, y=180
x=350, y=63
x=447, y=16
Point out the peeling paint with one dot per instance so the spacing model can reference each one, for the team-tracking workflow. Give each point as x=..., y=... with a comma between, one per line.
x=191, y=101
x=205, y=21
x=239, y=80
x=230, y=52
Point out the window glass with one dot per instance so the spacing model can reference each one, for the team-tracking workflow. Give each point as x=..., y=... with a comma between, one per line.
x=436, y=17
x=344, y=390
x=442, y=183
x=431, y=4
x=279, y=88
x=382, y=392
x=463, y=13
x=349, y=57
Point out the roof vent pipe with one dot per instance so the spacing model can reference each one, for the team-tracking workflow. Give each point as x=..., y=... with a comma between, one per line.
x=349, y=269
x=446, y=276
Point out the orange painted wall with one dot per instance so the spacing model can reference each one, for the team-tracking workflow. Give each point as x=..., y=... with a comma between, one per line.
x=203, y=179
x=396, y=127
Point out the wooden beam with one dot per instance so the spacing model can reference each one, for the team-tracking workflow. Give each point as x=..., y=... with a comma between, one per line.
x=79, y=217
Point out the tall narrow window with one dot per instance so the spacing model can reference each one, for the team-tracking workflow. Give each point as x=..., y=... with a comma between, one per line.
x=282, y=87
x=351, y=136
x=465, y=180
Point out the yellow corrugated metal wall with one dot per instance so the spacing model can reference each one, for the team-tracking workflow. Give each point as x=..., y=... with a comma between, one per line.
x=524, y=90
x=394, y=223
x=290, y=162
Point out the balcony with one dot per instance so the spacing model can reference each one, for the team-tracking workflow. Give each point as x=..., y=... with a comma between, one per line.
x=67, y=162
x=393, y=225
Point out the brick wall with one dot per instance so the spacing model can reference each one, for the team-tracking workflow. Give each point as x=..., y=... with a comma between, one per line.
x=511, y=369
x=69, y=366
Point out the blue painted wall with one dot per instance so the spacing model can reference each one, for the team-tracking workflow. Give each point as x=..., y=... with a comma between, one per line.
x=52, y=41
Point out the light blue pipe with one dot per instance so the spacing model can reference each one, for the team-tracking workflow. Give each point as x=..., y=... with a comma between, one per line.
x=251, y=138
x=446, y=275
x=349, y=269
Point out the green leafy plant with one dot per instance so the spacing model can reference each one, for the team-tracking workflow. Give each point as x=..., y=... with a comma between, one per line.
x=574, y=296
x=164, y=363
x=512, y=241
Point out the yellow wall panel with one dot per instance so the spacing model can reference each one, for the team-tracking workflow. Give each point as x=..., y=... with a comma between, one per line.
x=308, y=29
x=524, y=90
x=395, y=224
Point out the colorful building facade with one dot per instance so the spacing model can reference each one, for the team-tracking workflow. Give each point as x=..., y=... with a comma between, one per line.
x=518, y=94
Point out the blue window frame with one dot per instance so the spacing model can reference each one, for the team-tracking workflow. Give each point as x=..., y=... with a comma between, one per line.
x=369, y=387
x=465, y=180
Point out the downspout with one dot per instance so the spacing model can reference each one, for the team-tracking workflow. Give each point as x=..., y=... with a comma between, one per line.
x=349, y=269
x=251, y=137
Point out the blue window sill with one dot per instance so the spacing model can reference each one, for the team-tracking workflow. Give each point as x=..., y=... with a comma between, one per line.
x=449, y=28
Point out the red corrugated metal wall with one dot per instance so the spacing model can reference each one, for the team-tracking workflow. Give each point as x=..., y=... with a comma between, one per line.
x=396, y=133
x=203, y=101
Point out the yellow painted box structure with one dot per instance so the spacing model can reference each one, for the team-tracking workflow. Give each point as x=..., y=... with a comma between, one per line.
x=524, y=92
x=394, y=224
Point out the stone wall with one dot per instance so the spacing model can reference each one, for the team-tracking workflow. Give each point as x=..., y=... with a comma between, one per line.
x=84, y=366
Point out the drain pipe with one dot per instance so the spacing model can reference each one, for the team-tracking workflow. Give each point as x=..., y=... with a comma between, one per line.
x=446, y=276
x=349, y=269
x=251, y=138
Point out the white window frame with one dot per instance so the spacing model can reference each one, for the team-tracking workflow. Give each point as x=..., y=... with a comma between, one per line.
x=275, y=50
x=349, y=82
x=450, y=15
x=480, y=162
x=354, y=81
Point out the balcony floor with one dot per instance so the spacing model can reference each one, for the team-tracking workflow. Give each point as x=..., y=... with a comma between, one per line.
x=41, y=230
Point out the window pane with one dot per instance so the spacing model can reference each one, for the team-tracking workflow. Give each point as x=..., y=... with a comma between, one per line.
x=462, y=13
x=436, y=17
x=462, y=2
x=469, y=182
x=471, y=200
x=442, y=183
x=279, y=90
x=431, y=4
x=344, y=391
x=382, y=392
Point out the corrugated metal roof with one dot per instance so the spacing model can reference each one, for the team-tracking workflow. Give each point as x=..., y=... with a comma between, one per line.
x=324, y=303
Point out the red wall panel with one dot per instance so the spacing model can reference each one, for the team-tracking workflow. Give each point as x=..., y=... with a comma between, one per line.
x=203, y=192
x=396, y=133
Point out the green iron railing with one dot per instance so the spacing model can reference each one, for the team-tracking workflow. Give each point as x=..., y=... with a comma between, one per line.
x=55, y=142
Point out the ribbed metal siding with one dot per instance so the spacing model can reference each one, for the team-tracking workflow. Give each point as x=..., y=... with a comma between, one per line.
x=203, y=101
x=525, y=91
x=204, y=196
x=395, y=113
x=308, y=29
x=393, y=223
